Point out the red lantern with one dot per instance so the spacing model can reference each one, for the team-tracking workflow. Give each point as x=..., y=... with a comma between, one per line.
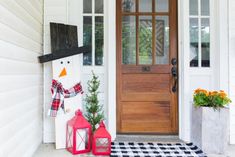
x=78, y=134
x=101, y=143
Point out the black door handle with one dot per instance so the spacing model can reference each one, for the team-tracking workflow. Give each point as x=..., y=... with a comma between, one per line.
x=174, y=61
x=174, y=73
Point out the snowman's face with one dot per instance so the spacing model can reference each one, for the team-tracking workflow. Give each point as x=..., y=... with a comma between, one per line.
x=67, y=70
x=64, y=70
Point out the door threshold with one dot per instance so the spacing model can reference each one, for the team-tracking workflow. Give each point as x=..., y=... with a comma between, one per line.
x=148, y=138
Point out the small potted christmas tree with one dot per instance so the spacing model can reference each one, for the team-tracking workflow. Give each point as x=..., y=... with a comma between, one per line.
x=94, y=111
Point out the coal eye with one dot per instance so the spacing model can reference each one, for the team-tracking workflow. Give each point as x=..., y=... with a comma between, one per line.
x=61, y=62
x=68, y=62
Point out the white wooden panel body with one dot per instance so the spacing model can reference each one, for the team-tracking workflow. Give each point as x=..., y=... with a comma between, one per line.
x=54, y=11
x=71, y=104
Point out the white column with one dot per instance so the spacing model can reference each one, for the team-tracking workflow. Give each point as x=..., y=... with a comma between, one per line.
x=184, y=97
x=110, y=23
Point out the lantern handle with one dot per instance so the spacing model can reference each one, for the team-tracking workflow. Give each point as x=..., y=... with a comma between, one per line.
x=78, y=112
x=102, y=124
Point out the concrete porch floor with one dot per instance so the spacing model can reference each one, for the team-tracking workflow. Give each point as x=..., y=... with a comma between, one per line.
x=48, y=150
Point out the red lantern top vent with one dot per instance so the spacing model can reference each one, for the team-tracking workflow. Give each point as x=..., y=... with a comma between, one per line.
x=101, y=131
x=78, y=113
x=78, y=121
x=102, y=124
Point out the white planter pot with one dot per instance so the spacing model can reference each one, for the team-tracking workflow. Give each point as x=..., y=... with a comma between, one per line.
x=209, y=129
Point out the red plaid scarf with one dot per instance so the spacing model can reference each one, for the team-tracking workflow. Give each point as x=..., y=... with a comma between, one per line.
x=59, y=93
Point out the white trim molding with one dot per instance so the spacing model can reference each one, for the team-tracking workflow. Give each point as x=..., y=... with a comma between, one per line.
x=183, y=57
x=110, y=35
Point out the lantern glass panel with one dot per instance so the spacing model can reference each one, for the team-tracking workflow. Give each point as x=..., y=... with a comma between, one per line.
x=102, y=144
x=82, y=139
x=69, y=137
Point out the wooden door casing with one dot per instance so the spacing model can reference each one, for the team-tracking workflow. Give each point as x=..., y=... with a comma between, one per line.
x=145, y=101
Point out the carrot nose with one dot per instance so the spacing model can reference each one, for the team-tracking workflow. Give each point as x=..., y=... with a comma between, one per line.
x=63, y=73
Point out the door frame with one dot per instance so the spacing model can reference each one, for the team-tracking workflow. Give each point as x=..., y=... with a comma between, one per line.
x=183, y=107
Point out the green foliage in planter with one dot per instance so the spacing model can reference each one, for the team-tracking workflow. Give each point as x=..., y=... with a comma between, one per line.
x=215, y=99
x=94, y=111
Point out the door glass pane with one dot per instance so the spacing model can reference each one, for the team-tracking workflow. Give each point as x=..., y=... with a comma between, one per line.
x=128, y=5
x=145, y=39
x=99, y=6
x=145, y=6
x=99, y=40
x=129, y=40
x=193, y=7
x=87, y=39
x=193, y=42
x=162, y=40
x=205, y=7
x=87, y=6
x=205, y=45
x=161, y=5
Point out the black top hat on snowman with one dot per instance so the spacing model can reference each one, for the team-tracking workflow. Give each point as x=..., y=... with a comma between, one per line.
x=64, y=43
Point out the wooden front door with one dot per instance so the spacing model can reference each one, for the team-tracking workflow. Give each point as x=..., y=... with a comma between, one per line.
x=147, y=66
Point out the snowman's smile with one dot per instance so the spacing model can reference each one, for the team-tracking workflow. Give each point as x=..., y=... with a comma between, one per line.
x=63, y=73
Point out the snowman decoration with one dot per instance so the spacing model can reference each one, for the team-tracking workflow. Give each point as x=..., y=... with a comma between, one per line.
x=66, y=66
x=66, y=71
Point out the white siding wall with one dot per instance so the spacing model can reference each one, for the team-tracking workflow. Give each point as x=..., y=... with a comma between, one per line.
x=21, y=77
x=68, y=12
x=232, y=68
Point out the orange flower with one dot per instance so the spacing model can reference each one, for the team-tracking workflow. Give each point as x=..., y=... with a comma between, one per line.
x=204, y=91
x=199, y=90
x=214, y=93
x=222, y=94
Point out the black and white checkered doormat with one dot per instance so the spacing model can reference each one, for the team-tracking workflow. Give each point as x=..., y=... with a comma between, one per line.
x=136, y=149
